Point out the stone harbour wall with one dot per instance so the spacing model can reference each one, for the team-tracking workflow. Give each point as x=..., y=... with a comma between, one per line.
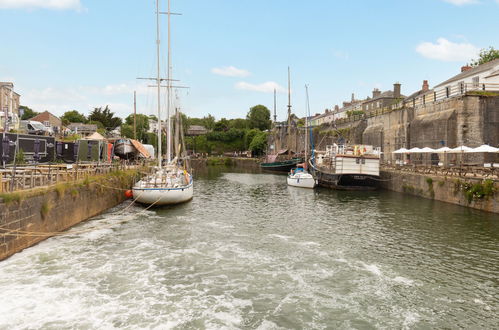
x=481, y=194
x=26, y=215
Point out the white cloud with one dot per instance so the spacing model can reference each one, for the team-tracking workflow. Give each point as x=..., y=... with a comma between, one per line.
x=230, y=71
x=462, y=2
x=46, y=4
x=266, y=87
x=445, y=50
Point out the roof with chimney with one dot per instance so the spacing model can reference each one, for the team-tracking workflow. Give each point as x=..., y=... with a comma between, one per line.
x=45, y=116
x=476, y=70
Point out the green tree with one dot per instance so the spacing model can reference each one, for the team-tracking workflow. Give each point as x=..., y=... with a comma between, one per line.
x=73, y=116
x=209, y=122
x=486, y=55
x=27, y=112
x=259, y=117
x=142, y=125
x=259, y=144
x=221, y=125
x=127, y=131
x=106, y=117
x=249, y=135
x=238, y=123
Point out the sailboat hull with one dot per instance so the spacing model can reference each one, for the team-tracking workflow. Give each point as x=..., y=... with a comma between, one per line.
x=163, y=196
x=301, y=180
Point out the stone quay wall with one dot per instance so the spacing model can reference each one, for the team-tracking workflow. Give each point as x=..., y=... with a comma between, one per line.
x=25, y=216
x=470, y=192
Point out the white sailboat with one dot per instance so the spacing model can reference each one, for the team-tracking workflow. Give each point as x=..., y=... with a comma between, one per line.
x=172, y=183
x=300, y=177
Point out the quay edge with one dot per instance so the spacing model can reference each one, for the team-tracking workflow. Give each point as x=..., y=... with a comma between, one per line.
x=26, y=214
x=449, y=189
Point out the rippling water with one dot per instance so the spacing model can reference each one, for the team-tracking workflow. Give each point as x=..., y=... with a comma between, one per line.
x=250, y=252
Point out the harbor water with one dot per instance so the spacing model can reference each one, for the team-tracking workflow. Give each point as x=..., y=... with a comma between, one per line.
x=250, y=252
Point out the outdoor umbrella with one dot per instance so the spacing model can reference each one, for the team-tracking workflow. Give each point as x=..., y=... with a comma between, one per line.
x=414, y=150
x=484, y=148
x=401, y=151
x=427, y=150
x=443, y=149
x=460, y=149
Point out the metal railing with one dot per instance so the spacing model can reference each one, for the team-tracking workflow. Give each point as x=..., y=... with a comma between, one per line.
x=35, y=176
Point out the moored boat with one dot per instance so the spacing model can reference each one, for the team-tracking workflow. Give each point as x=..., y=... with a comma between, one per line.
x=347, y=167
x=299, y=177
x=169, y=185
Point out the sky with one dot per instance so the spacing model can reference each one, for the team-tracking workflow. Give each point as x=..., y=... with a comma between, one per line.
x=232, y=54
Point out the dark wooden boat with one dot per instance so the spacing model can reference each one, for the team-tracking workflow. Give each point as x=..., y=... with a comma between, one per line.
x=281, y=166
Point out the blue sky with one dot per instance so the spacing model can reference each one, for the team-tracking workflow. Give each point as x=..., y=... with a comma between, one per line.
x=80, y=54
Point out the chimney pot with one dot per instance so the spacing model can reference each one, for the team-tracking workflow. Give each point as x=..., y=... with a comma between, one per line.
x=426, y=86
x=466, y=68
x=396, y=90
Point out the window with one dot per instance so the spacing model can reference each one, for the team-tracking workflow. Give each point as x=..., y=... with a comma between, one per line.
x=461, y=87
x=447, y=91
x=424, y=99
x=46, y=123
x=476, y=82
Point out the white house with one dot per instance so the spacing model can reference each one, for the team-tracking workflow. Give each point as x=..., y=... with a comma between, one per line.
x=484, y=77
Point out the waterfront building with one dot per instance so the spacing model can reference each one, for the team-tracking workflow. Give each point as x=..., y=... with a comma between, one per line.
x=49, y=120
x=382, y=100
x=321, y=119
x=484, y=77
x=82, y=129
x=422, y=97
x=9, y=106
x=195, y=130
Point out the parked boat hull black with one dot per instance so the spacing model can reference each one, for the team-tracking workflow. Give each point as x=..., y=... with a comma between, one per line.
x=346, y=181
x=284, y=166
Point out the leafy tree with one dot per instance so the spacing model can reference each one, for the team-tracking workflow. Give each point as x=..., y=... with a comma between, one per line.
x=486, y=55
x=238, y=123
x=259, y=143
x=141, y=125
x=259, y=117
x=98, y=123
x=27, y=112
x=249, y=135
x=209, y=122
x=221, y=125
x=127, y=131
x=106, y=117
x=73, y=116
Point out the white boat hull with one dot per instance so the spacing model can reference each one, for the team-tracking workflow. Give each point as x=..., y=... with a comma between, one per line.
x=163, y=196
x=302, y=180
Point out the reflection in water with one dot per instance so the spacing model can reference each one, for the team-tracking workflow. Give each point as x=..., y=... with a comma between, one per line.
x=251, y=252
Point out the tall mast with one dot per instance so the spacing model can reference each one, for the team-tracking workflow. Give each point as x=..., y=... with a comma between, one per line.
x=158, y=83
x=275, y=113
x=134, y=115
x=289, y=98
x=168, y=93
x=289, y=112
x=307, y=106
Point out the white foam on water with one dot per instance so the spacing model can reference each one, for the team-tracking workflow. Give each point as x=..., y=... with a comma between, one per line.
x=282, y=237
x=410, y=318
x=374, y=269
x=267, y=325
x=403, y=280
x=309, y=243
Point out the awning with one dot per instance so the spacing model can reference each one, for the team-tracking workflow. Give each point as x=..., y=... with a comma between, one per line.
x=484, y=148
x=400, y=151
x=460, y=149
